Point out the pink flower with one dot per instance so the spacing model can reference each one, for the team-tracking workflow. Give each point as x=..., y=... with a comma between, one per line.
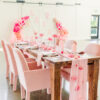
x=41, y=34
x=77, y=88
x=71, y=55
x=50, y=39
x=74, y=78
x=25, y=18
x=59, y=26
x=16, y=24
x=49, y=48
x=80, y=68
x=35, y=33
x=16, y=27
x=55, y=35
x=62, y=52
x=36, y=37
x=53, y=50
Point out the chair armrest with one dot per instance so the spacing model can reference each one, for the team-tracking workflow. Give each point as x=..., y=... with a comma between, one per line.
x=37, y=78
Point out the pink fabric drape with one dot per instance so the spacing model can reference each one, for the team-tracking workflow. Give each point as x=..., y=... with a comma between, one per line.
x=39, y=59
x=78, y=80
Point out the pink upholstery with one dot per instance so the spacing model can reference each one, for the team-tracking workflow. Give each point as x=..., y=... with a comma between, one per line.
x=93, y=49
x=71, y=45
x=30, y=80
x=6, y=57
x=12, y=66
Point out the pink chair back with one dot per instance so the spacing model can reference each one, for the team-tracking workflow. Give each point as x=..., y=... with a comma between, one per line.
x=93, y=49
x=12, y=62
x=21, y=65
x=71, y=45
x=6, y=57
x=31, y=80
x=5, y=52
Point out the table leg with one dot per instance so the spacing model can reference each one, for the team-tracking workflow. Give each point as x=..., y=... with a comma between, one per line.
x=93, y=80
x=55, y=81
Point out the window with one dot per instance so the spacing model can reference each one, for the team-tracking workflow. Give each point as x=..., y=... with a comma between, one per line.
x=95, y=26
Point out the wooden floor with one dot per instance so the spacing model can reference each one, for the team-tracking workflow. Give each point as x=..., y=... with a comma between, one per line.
x=6, y=92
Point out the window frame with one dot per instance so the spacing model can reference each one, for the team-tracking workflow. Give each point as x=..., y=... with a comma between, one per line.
x=97, y=27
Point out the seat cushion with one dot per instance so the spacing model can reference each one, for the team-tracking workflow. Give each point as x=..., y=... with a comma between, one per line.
x=33, y=65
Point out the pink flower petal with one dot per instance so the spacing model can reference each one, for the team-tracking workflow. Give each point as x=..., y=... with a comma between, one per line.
x=80, y=68
x=77, y=88
x=62, y=52
x=55, y=35
x=59, y=26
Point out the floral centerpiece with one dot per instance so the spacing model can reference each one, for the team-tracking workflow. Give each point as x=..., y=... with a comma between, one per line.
x=18, y=26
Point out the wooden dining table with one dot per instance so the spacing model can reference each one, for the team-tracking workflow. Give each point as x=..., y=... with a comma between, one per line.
x=56, y=62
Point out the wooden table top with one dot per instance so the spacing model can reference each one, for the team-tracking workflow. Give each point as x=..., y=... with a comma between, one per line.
x=55, y=59
x=61, y=59
x=43, y=53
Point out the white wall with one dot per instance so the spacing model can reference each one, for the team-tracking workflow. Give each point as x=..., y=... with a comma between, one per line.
x=75, y=18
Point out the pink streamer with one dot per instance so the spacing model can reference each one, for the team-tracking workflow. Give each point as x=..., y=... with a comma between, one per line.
x=78, y=80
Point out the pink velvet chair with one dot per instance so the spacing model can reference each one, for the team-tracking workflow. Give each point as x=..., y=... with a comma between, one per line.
x=30, y=80
x=71, y=45
x=12, y=66
x=91, y=49
x=6, y=57
x=32, y=65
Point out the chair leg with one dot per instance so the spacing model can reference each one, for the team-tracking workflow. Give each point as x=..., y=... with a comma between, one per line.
x=7, y=72
x=22, y=92
x=11, y=78
x=27, y=95
x=14, y=83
